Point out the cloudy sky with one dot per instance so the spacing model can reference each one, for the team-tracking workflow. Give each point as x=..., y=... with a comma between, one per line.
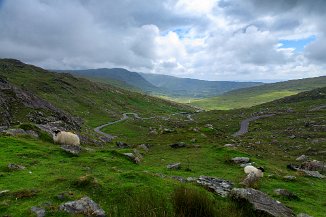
x=205, y=39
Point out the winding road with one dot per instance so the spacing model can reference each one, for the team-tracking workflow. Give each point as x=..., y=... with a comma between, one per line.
x=136, y=116
x=244, y=125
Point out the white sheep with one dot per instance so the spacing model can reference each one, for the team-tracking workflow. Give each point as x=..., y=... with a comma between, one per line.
x=65, y=138
x=259, y=172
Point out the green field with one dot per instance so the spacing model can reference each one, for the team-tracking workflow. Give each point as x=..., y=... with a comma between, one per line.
x=247, y=97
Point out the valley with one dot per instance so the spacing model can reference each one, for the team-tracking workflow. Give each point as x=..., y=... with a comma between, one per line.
x=115, y=123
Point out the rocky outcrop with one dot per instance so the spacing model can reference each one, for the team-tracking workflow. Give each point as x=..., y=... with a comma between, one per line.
x=261, y=202
x=219, y=186
x=240, y=160
x=174, y=166
x=72, y=149
x=39, y=212
x=85, y=206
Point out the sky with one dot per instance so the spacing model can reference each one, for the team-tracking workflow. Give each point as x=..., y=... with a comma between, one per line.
x=242, y=40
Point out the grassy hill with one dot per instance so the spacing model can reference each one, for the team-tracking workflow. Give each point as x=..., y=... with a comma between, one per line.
x=193, y=88
x=257, y=95
x=118, y=77
x=95, y=103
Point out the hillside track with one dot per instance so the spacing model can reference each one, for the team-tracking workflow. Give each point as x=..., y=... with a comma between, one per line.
x=244, y=125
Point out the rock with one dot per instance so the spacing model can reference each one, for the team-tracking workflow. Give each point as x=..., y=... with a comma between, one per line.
x=229, y=145
x=292, y=167
x=144, y=147
x=3, y=192
x=132, y=157
x=219, y=186
x=122, y=145
x=303, y=215
x=193, y=140
x=16, y=167
x=178, y=145
x=209, y=126
x=290, y=178
x=292, y=137
x=314, y=174
x=85, y=206
x=179, y=178
x=314, y=165
x=137, y=154
x=72, y=149
x=261, y=202
x=21, y=132
x=191, y=179
x=174, y=166
x=167, y=130
x=286, y=193
x=302, y=158
x=40, y=212
x=240, y=160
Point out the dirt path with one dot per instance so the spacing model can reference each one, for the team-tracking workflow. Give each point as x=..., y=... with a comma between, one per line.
x=244, y=125
x=136, y=116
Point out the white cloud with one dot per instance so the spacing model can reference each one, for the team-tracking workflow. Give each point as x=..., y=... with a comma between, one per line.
x=206, y=39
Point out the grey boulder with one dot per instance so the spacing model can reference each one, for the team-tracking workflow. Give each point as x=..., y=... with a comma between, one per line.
x=85, y=206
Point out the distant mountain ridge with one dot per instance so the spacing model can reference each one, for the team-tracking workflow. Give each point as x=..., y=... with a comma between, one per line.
x=163, y=85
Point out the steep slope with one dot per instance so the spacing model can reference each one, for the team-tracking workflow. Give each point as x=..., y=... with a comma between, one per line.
x=116, y=76
x=194, y=88
x=257, y=95
x=95, y=103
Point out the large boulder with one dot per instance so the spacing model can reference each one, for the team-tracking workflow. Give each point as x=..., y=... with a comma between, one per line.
x=261, y=202
x=219, y=186
x=85, y=206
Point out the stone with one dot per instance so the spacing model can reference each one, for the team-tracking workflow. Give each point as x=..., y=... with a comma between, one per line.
x=3, y=192
x=302, y=158
x=132, y=157
x=313, y=165
x=179, y=178
x=219, y=186
x=261, y=202
x=178, y=145
x=290, y=178
x=292, y=167
x=40, y=212
x=144, y=147
x=122, y=145
x=292, y=137
x=229, y=145
x=246, y=164
x=314, y=174
x=303, y=215
x=240, y=160
x=72, y=149
x=85, y=206
x=174, y=166
x=16, y=167
x=191, y=179
x=137, y=154
x=286, y=193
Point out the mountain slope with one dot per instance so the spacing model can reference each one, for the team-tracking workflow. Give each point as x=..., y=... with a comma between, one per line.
x=95, y=103
x=257, y=95
x=116, y=76
x=187, y=87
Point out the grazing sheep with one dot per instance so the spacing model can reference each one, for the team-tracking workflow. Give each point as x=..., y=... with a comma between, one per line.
x=65, y=138
x=259, y=172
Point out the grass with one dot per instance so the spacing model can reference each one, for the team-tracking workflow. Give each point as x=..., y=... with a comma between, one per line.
x=247, y=97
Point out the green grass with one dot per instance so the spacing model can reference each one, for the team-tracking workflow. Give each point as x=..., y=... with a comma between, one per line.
x=247, y=97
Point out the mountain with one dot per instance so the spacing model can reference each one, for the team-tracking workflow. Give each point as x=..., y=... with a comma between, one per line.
x=95, y=103
x=116, y=76
x=257, y=95
x=194, y=88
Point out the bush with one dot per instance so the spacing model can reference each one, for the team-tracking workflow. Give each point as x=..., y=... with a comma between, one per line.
x=189, y=202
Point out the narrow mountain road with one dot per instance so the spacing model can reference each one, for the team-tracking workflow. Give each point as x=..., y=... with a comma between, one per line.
x=244, y=125
x=136, y=116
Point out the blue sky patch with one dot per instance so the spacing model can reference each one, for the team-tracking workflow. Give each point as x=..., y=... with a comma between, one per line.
x=299, y=44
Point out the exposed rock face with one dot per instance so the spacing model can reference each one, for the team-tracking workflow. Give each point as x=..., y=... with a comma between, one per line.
x=313, y=165
x=302, y=158
x=219, y=186
x=240, y=160
x=261, y=202
x=122, y=145
x=21, y=132
x=13, y=99
x=132, y=157
x=174, y=166
x=16, y=167
x=144, y=147
x=178, y=145
x=72, y=149
x=39, y=212
x=250, y=180
x=85, y=206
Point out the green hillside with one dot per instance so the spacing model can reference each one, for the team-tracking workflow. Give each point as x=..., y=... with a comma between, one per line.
x=193, y=88
x=95, y=103
x=248, y=97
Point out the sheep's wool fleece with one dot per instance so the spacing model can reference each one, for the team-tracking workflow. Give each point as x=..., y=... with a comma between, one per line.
x=66, y=138
x=250, y=169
